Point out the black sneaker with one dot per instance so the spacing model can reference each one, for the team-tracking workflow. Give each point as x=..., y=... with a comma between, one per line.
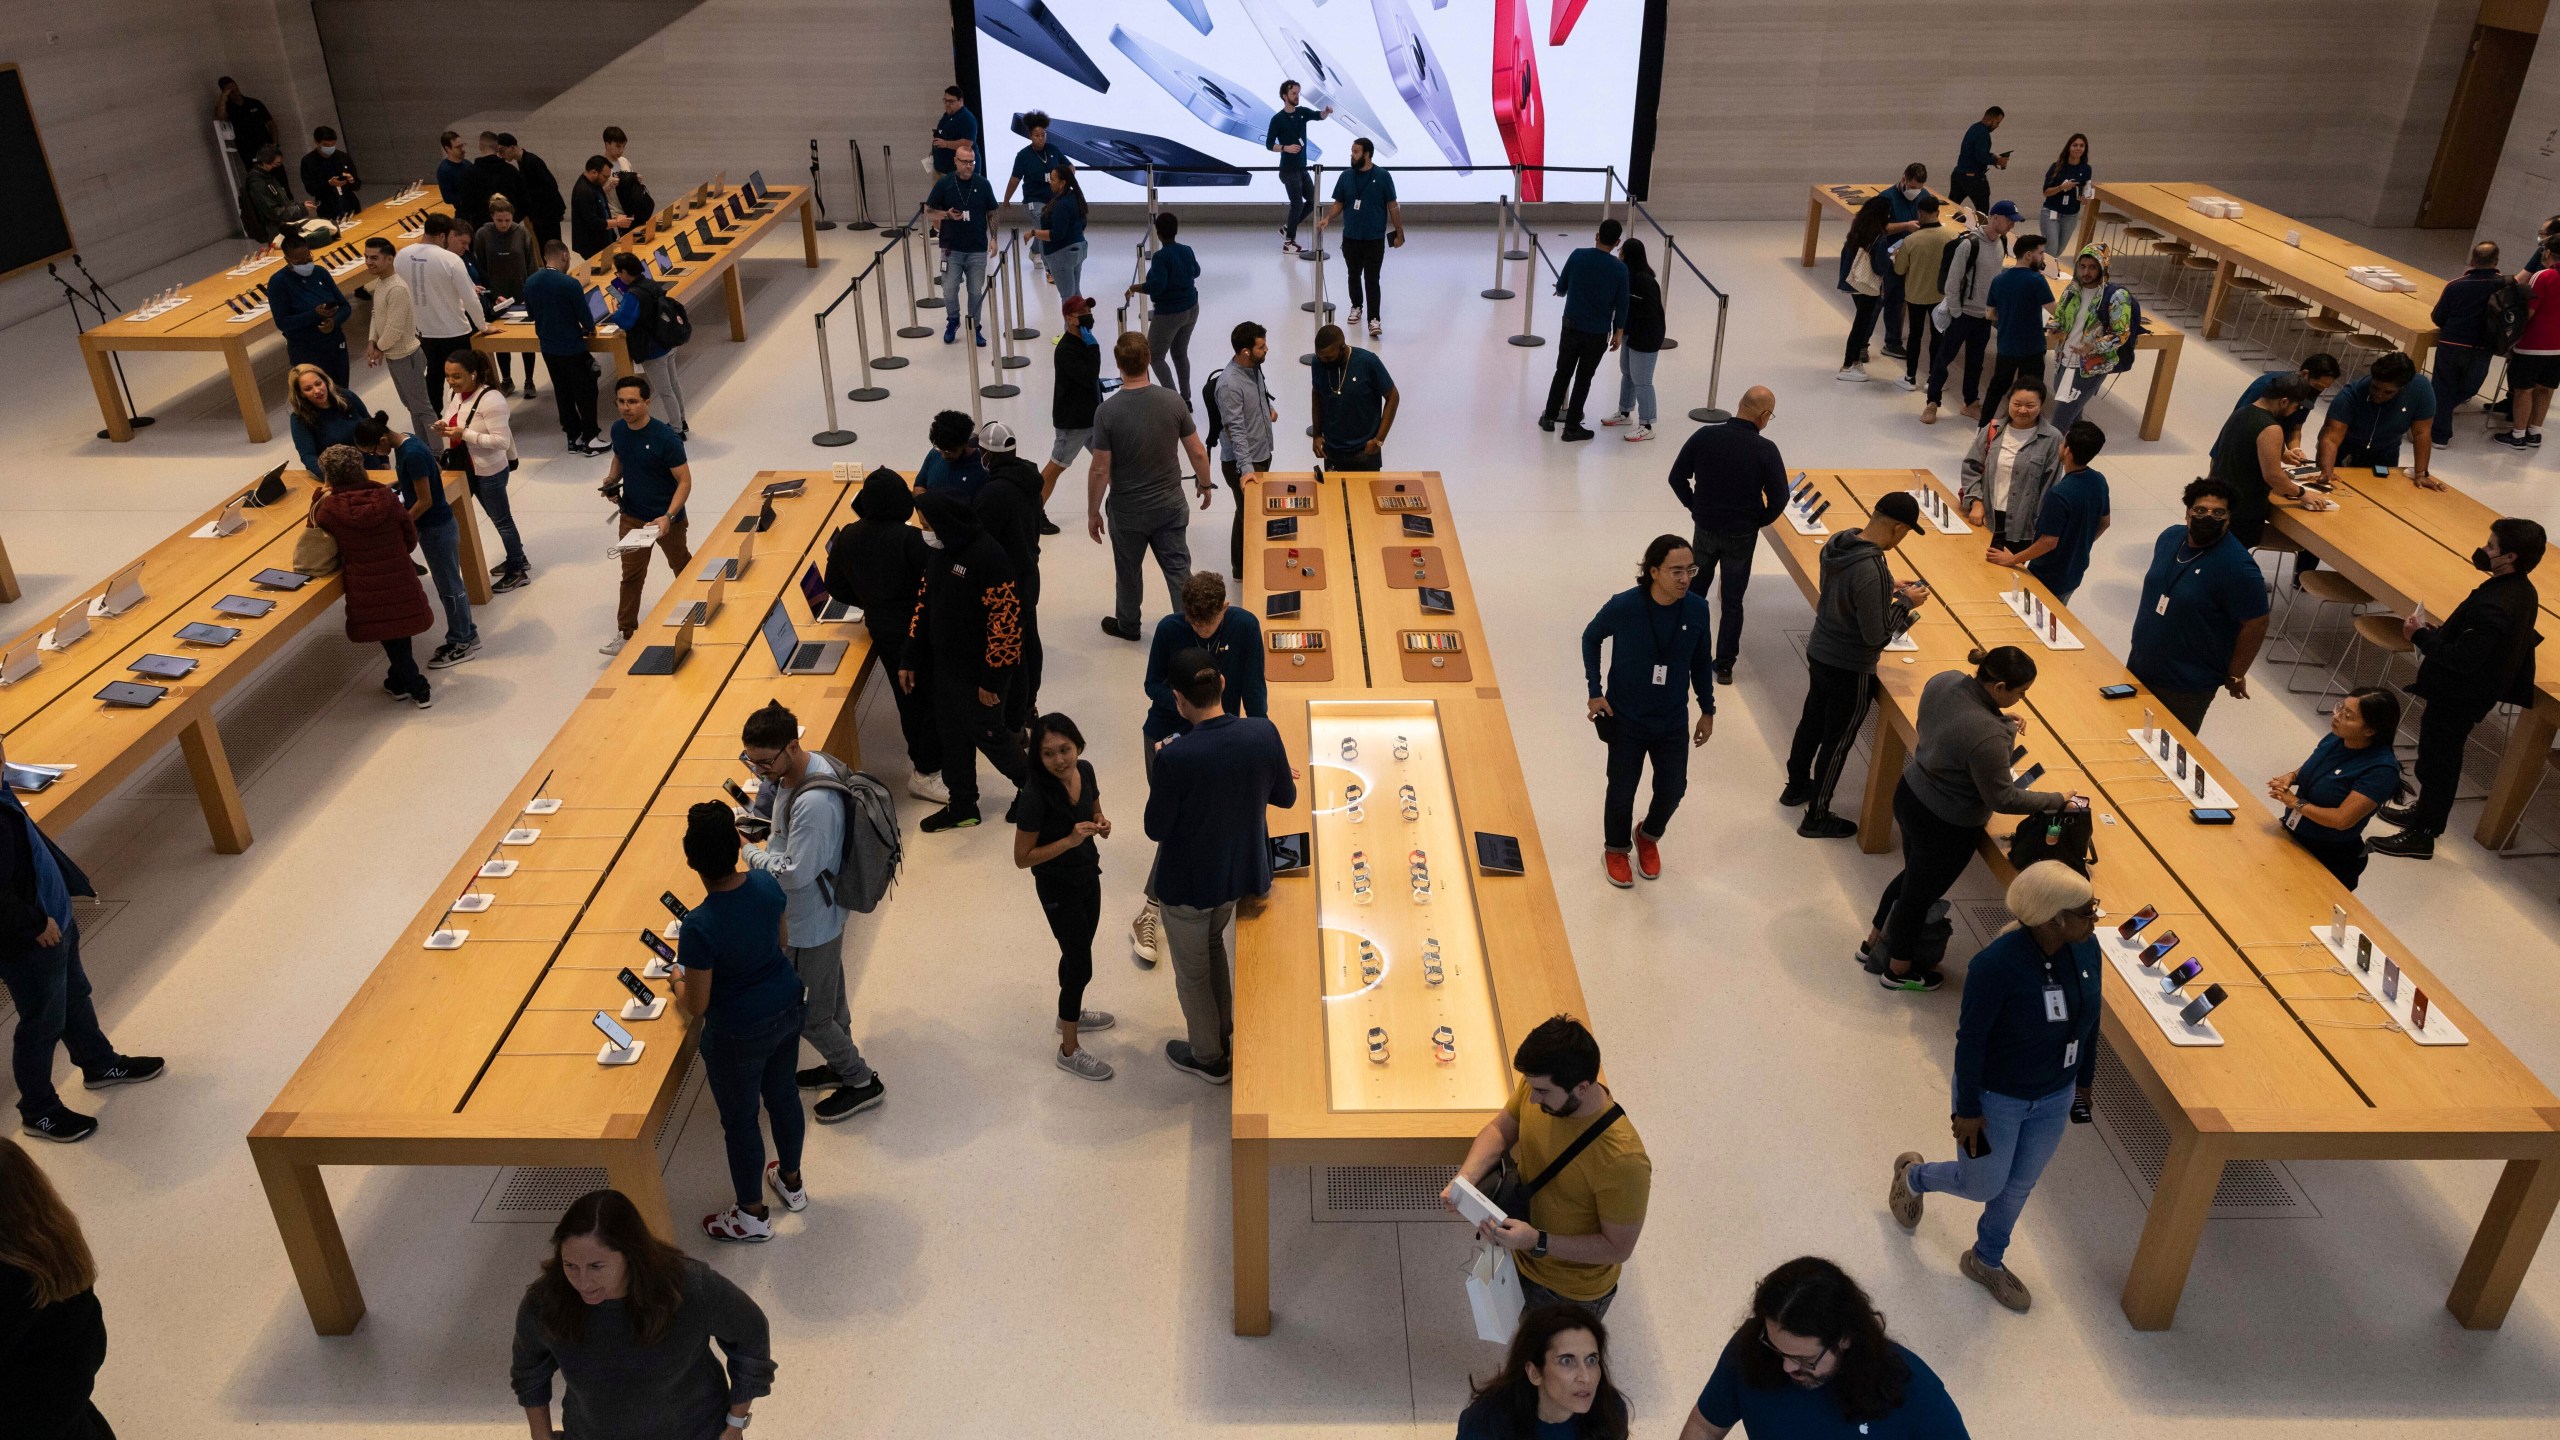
x=392, y=689
x=1048, y=526
x=1896, y=352
x=849, y=1101
x=422, y=697
x=131, y=1070
x=511, y=580
x=1724, y=676
x=2397, y=815
x=2533, y=439
x=1547, y=423
x=2511, y=440
x=1796, y=793
x=1112, y=627
x=448, y=656
x=949, y=817
x=819, y=1077
x=1871, y=959
x=1823, y=825
x=1576, y=432
x=60, y=1124
x=1178, y=1054
x=1918, y=982
x=2407, y=845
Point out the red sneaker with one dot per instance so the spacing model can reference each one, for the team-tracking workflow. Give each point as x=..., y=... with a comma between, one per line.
x=1648, y=858
x=1619, y=874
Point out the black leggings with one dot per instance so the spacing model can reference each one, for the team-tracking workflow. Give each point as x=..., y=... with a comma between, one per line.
x=1862, y=326
x=1935, y=853
x=1073, y=904
x=1362, y=259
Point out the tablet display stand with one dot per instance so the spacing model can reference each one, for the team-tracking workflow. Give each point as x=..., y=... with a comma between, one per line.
x=447, y=939
x=521, y=836
x=545, y=805
x=2440, y=1030
x=474, y=903
x=2125, y=956
x=608, y=1054
x=634, y=1010
x=497, y=869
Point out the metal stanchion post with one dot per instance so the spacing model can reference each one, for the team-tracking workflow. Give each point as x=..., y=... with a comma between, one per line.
x=1023, y=329
x=1670, y=252
x=1609, y=193
x=1009, y=322
x=1001, y=389
x=889, y=177
x=1501, y=226
x=861, y=190
x=976, y=416
x=862, y=347
x=1511, y=238
x=906, y=234
x=1315, y=178
x=1153, y=209
x=815, y=192
x=1710, y=413
x=835, y=434
x=1529, y=338
x=889, y=359
x=1323, y=309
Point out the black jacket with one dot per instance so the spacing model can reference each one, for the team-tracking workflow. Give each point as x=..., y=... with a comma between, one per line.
x=968, y=624
x=877, y=563
x=22, y=917
x=588, y=231
x=49, y=1360
x=2483, y=652
x=1008, y=506
x=1079, y=391
x=490, y=177
x=335, y=204
x=541, y=198
x=1646, y=324
x=1730, y=477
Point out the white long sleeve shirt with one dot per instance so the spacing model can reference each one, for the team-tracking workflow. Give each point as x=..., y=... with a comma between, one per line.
x=440, y=290
x=486, y=431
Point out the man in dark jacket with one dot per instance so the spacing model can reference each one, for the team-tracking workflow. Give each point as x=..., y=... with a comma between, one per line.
x=40, y=964
x=491, y=177
x=1594, y=284
x=592, y=226
x=266, y=200
x=253, y=126
x=1856, y=613
x=1008, y=507
x=2462, y=335
x=876, y=564
x=329, y=176
x=541, y=203
x=1207, y=812
x=966, y=644
x=2481, y=654
x=310, y=311
x=1732, y=481
x=1077, y=395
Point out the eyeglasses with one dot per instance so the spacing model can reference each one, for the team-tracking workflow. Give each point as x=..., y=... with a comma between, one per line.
x=1682, y=571
x=2087, y=912
x=761, y=767
x=1796, y=1364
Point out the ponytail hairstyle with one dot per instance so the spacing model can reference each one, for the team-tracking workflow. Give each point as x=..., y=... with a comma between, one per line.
x=2003, y=665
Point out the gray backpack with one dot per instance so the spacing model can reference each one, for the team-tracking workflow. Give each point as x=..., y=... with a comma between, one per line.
x=873, y=845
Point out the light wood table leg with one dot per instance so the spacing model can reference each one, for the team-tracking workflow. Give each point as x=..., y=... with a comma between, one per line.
x=216, y=790
x=2088, y=228
x=1812, y=229
x=466, y=518
x=1875, y=811
x=110, y=400
x=2213, y=304
x=2418, y=348
x=2519, y=1211
x=619, y=347
x=8, y=577
x=632, y=1168
x=809, y=230
x=312, y=1242
x=2519, y=771
x=737, y=297
x=1249, y=1185
x=244, y=388
x=2164, y=374
x=2179, y=1206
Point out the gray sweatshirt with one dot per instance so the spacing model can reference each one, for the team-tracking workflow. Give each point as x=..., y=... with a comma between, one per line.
x=1960, y=766
x=1244, y=413
x=1986, y=256
x=2038, y=465
x=672, y=1390
x=1856, y=611
x=807, y=844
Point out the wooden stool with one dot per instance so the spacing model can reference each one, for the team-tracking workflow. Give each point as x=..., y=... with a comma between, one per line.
x=2198, y=268
x=2382, y=632
x=2245, y=287
x=2371, y=344
x=2285, y=311
x=2324, y=588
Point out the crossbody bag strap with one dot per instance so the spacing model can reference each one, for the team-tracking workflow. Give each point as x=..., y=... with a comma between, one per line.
x=1580, y=1143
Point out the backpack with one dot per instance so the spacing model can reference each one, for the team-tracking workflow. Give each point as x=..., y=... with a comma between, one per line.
x=2106, y=302
x=670, y=325
x=873, y=845
x=1209, y=398
x=2502, y=320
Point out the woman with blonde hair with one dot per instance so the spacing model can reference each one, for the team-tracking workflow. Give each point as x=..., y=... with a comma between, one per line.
x=2026, y=1053
x=53, y=1337
x=324, y=414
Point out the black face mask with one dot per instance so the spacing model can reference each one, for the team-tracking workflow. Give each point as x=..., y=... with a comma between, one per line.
x=2202, y=532
x=2480, y=560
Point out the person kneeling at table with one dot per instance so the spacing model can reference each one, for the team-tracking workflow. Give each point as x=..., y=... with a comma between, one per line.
x=2350, y=773
x=2026, y=1055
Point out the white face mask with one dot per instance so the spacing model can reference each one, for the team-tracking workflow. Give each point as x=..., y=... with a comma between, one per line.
x=1910, y=192
x=304, y=268
x=328, y=149
x=932, y=540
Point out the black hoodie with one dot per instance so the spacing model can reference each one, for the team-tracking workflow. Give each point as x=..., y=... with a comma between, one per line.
x=1008, y=505
x=968, y=627
x=877, y=562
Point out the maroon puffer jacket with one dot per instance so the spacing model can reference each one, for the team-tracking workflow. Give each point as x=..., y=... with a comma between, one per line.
x=374, y=535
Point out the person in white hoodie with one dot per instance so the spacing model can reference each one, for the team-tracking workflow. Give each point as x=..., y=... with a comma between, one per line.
x=1973, y=261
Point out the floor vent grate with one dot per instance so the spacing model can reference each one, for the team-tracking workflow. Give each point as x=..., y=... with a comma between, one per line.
x=536, y=1194
x=1375, y=1194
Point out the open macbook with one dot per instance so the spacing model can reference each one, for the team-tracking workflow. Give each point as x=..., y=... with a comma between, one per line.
x=792, y=655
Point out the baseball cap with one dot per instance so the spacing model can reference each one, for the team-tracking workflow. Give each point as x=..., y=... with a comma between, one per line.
x=1900, y=505
x=996, y=438
x=2005, y=210
x=1078, y=305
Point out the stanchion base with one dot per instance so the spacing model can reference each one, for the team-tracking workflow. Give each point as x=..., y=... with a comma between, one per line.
x=1710, y=415
x=1308, y=359
x=929, y=302
x=1026, y=332
x=890, y=362
x=1310, y=305
x=1668, y=344
x=826, y=225
x=1498, y=293
x=1013, y=362
x=1515, y=254
x=138, y=422
x=914, y=332
x=1315, y=254
x=893, y=229
x=833, y=439
x=999, y=391
x=860, y=225
x=868, y=392
x=1528, y=342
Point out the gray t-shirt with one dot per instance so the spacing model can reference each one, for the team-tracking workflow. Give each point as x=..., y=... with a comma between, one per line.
x=1142, y=431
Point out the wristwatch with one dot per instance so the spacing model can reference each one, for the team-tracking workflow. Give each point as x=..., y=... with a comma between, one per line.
x=740, y=1422
x=1539, y=1250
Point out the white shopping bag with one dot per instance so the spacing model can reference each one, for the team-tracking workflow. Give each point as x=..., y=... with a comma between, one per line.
x=1493, y=1292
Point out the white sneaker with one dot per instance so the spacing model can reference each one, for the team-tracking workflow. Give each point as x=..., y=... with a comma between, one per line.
x=1355, y=316
x=1085, y=1065
x=1376, y=329
x=1905, y=383
x=1621, y=418
x=736, y=1224
x=792, y=1200
x=614, y=645
x=1641, y=432
x=1144, y=936
x=1853, y=374
x=929, y=788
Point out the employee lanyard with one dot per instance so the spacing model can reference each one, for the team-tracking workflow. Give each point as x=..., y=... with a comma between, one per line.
x=2057, y=996
x=1653, y=620
x=2182, y=573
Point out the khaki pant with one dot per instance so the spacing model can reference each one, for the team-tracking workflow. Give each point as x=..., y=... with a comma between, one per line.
x=635, y=564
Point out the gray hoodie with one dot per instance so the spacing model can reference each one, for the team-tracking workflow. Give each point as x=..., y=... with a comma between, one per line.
x=1959, y=767
x=1856, y=611
x=1985, y=256
x=2038, y=465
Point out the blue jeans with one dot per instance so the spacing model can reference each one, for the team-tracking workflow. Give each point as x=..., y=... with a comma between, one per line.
x=1066, y=267
x=441, y=544
x=2023, y=1136
x=489, y=492
x=957, y=265
x=2460, y=370
x=51, y=992
x=1635, y=381
x=2058, y=230
x=743, y=1067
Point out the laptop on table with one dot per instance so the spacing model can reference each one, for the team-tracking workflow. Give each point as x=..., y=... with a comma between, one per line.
x=792, y=655
x=698, y=612
x=732, y=567
x=663, y=659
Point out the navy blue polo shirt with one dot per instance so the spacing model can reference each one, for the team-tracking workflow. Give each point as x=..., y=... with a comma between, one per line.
x=2074, y=507
x=415, y=467
x=2191, y=612
x=960, y=124
x=649, y=457
x=1031, y=166
x=2018, y=296
x=2335, y=772
x=1351, y=397
x=1064, y=220
x=556, y=303
x=1365, y=196
x=972, y=198
x=2378, y=426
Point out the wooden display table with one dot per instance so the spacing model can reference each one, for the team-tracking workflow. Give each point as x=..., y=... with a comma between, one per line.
x=2305, y=1070
x=53, y=716
x=8, y=576
x=2316, y=269
x=207, y=321
x=1305, y=1091
x=483, y=1054
x=691, y=286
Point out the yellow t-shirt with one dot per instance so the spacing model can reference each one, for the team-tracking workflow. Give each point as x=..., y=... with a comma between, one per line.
x=1609, y=1181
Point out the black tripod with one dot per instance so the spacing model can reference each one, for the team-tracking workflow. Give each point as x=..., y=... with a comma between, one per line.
x=100, y=301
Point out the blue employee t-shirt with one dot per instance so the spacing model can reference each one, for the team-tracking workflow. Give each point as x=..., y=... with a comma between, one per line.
x=2335, y=772
x=2017, y=297
x=958, y=125
x=416, y=472
x=556, y=303
x=649, y=457
x=1974, y=155
x=971, y=201
x=2192, y=609
x=965, y=477
x=735, y=937
x=1365, y=195
x=1788, y=1411
x=1289, y=127
x=1064, y=220
x=2378, y=426
x=1351, y=397
x=1031, y=166
x=2073, y=509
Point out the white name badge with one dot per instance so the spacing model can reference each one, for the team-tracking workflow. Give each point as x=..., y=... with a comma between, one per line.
x=1661, y=674
x=2054, y=1009
x=2162, y=608
x=1355, y=204
x=2071, y=1055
